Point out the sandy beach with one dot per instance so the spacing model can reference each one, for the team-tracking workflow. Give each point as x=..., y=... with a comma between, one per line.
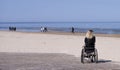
x=68, y=44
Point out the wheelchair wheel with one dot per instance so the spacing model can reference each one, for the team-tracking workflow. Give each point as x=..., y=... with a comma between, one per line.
x=82, y=56
x=96, y=56
x=92, y=58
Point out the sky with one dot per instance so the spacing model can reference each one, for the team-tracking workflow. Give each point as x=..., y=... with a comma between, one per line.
x=59, y=10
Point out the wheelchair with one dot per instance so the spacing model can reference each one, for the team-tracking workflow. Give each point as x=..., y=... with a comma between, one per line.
x=90, y=53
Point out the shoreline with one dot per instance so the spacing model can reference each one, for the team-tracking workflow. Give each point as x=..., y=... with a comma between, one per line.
x=67, y=33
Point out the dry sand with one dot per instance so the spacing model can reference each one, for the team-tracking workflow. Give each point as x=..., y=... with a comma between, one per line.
x=19, y=42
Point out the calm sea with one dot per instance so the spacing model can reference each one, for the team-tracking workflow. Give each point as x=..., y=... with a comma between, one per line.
x=98, y=27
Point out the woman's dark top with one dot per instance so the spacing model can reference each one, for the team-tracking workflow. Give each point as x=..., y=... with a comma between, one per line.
x=90, y=42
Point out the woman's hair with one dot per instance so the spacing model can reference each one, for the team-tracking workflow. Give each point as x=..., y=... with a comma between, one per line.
x=89, y=34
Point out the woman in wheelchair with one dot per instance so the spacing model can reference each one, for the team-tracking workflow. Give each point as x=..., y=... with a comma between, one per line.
x=89, y=50
x=89, y=41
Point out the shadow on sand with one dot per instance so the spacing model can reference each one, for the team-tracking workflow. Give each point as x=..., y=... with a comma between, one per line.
x=104, y=61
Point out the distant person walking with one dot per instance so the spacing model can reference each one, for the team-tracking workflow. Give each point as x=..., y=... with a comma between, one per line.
x=45, y=30
x=12, y=28
x=73, y=30
x=42, y=29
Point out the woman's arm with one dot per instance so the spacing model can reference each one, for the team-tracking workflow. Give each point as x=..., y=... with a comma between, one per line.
x=94, y=39
x=85, y=40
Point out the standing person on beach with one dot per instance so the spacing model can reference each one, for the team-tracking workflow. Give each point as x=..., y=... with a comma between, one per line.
x=90, y=39
x=42, y=29
x=72, y=30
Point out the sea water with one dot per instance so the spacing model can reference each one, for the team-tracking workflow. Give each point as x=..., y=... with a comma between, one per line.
x=98, y=27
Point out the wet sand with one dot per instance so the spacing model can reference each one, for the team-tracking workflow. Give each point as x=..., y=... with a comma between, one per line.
x=50, y=61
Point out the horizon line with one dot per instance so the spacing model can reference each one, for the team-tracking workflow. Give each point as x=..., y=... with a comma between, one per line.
x=65, y=21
